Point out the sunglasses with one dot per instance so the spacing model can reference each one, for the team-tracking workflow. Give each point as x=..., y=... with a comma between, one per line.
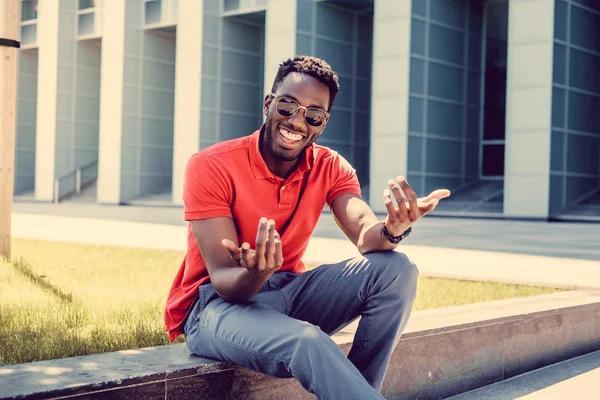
x=289, y=107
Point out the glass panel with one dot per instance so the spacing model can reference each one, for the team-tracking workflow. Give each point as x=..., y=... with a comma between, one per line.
x=86, y=24
x=556, y=194
x=446, y=44
x=230, y=5
x=558, y=108
x=417, y=75
x=415, y=115
x=493, y=160
x=557, y=146
x=28, y=34
x=560, y=19
x=29, y=10
x=419, y=7
x=153, y=11
x=417, y=37
x=449, y=12
x=495, y=71
x=559, y=70
x=446, y=82
x=415, y=153
x=583, y=70
x=444, y=156
x=83, y=4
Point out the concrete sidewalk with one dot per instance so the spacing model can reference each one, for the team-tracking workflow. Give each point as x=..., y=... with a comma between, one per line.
x=565, y=271
x=577, y=378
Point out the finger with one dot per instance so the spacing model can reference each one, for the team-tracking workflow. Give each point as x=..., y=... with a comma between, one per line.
x=247, y=258
x=389, y=205
x=437, y=194
x=270, y=245
x=400, y=199
x=411, y=197
x=278, y=253
x=428, y=207
x=261, y=238
x=234, y=251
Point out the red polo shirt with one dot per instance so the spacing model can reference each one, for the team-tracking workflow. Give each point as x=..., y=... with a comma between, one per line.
x=231, y=179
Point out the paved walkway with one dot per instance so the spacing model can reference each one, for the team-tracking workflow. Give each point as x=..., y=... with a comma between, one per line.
x=525, y=252
x=578, y=378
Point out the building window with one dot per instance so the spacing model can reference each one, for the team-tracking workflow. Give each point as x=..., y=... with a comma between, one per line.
x=153, y=11
x=29, y=10
x=84, y=4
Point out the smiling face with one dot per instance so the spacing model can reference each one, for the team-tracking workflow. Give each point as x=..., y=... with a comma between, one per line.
x=286, y=138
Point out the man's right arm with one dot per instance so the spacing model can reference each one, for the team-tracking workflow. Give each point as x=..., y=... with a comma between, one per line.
x=232, y=283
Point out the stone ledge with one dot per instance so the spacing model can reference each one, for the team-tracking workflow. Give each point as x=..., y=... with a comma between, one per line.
x=442, y=353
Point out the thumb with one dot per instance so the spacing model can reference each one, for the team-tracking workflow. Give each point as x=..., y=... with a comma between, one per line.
x=437, y=194
x=232, y=247
x=429, y=206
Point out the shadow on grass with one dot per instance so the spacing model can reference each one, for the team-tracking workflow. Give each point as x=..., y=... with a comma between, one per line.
x=23, y=268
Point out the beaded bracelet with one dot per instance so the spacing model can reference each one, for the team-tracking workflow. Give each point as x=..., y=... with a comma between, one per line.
x=394, y=239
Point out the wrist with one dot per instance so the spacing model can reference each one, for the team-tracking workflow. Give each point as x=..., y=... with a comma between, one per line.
x=393, y=238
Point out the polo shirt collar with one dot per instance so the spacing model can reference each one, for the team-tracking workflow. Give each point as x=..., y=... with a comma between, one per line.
x=259, y=167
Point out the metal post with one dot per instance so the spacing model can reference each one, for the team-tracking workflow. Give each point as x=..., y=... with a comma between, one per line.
x=9, y=19
x=56, y=190
x=78, y=181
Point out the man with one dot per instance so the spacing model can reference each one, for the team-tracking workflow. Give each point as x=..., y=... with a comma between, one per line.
x=242, y=294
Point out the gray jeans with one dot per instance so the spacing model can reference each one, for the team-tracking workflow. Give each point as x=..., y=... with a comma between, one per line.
x=284, y=329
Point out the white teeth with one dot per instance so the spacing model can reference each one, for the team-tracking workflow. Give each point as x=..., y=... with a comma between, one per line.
x=289, y=135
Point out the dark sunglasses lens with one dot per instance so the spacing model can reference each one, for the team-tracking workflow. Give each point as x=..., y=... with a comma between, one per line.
x=286, y=107
x=315, y=117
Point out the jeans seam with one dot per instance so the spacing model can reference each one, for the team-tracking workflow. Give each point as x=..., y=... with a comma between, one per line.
x=338, y=281
x=247, y=349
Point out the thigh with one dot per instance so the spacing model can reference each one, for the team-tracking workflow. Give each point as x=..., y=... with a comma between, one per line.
x=333, y=295
x=252, y=334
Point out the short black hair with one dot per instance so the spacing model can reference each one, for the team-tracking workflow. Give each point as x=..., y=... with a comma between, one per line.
x=313, y=66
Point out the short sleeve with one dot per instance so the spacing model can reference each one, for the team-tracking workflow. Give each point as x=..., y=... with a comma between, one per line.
x=344, y=179
x=207, y=189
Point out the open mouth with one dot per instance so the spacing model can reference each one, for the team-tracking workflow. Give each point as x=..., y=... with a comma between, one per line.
x=289, y=137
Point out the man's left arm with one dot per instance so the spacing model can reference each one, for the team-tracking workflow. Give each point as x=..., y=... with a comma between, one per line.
x=360, y=224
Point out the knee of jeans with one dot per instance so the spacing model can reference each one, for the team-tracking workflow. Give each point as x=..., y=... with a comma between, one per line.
x=310, y=336
x=397, y=268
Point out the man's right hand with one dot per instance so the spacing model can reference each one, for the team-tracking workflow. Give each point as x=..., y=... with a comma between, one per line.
x=267, y=258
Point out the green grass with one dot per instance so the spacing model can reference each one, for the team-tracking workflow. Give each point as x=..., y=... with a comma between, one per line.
x=61, y=299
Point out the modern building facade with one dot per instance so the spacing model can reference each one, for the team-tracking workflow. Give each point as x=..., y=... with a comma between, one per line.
x=497, y=100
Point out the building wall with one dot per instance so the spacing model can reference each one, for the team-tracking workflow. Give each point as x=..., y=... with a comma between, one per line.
x=26, y=121
x=87, y=107
x=232, y=75
x=445, y=93
x=138, y=83
x=157, y=86
x=575, y=145
x=344, y=38
x=131, y=89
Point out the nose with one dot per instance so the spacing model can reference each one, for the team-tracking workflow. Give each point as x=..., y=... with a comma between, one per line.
x=297, y=120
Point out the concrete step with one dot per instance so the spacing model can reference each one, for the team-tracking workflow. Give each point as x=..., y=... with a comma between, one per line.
x=443, y=353
x=578, y=378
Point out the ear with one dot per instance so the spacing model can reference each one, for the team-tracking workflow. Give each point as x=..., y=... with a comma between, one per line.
x=267, y=104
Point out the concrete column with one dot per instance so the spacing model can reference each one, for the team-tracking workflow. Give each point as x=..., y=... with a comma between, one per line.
x=120, y=105
x=389, y=98
x=528, y=108
x=280, y=37
x=56, y=42
x=188, y=85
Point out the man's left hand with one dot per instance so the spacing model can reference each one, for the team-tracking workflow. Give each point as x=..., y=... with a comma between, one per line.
x=410, y=208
